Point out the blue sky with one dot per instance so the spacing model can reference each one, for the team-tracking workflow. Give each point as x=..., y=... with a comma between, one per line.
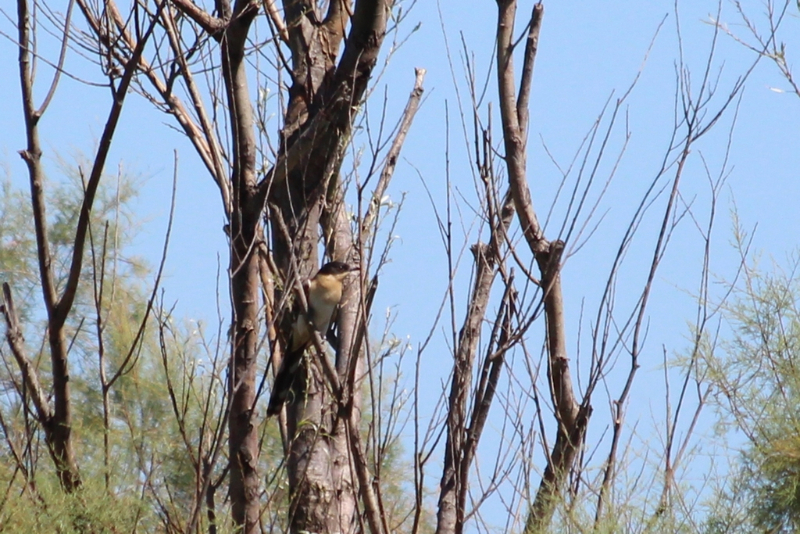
x=589, y=50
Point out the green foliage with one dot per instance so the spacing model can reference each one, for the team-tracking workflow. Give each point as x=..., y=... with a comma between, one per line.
x=147, y=406
x=18, y=248
x=50, y=510
x=757, y=380
x=112, y=221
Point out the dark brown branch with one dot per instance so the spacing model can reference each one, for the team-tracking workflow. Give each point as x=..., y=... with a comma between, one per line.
x=58, y=427
x=361, y=50
x=32, y=156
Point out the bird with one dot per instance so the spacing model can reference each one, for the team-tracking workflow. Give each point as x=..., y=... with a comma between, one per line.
x=323, y=294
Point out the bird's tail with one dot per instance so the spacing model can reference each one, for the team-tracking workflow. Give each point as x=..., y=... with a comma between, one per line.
x=284, y=381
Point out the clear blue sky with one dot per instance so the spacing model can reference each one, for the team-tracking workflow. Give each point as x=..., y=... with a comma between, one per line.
x=588, y=50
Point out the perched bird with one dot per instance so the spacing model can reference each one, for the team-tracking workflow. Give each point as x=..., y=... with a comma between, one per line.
x=323, y=294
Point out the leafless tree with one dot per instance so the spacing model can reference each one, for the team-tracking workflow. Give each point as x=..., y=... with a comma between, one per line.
x=567, y=405
x=328, y=56
x=284, y=193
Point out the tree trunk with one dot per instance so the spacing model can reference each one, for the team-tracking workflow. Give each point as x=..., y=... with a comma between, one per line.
x=324, y=98
x=244, y=275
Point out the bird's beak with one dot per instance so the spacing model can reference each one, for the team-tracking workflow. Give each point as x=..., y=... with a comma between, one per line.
x=355, y=268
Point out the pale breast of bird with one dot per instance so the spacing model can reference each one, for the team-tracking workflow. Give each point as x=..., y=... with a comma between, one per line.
x=324, y=302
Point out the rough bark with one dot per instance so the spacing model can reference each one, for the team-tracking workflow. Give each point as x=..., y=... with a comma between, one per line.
x=244, y=273
x=323, y=102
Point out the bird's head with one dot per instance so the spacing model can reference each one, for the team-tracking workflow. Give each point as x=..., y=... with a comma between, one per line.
x=336, y=269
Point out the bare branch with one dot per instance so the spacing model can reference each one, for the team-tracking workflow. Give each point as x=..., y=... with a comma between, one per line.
x=65, y=302
x=531, y=47
x=513, y=135
x=17, y=344
x=277, y=19
x=394, y=152
x=212, y=25
x=60, y=66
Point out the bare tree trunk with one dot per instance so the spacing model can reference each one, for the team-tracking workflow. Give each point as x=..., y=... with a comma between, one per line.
x=572, y=418
x=323, y=491
x=243, y=439
x=58, y=423
x=244, y=273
